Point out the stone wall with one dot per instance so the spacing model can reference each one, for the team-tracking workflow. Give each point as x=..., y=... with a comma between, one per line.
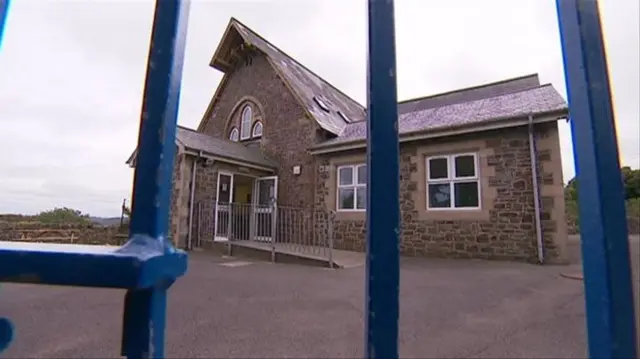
x=503, y=229
x=62, y=233
x=287, y=130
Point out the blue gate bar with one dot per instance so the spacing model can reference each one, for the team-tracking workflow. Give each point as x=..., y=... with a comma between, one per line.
x=383, y=191
x=603, y=224
x=4, y=11
x=148, y=263
x=145, y=309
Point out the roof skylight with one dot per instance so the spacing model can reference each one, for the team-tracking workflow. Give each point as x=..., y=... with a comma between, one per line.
x=321, y=103
x=344, y=117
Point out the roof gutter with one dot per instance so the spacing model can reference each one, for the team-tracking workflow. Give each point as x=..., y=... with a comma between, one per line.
x=533, y=153
x=496, y=124
x=192, y=193
x=202, y=154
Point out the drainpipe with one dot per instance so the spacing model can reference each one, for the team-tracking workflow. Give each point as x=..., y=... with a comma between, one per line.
x=536, y=191
x=192, y=192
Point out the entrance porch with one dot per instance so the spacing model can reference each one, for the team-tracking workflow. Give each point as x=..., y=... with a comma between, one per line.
x=245, y=207
x=245, y=218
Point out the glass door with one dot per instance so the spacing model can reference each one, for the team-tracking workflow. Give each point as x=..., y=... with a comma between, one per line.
x=265, y=203
x=223, y=206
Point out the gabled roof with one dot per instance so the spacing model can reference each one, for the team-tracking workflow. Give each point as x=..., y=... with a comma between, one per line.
x=219, y=148
x=474, y=107
x=337, y=113
x=312, y=91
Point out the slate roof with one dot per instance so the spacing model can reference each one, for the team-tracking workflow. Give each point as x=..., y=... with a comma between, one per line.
x=419, y=117
x=222, y=148
x=474, y=93
x=218, y=147
x=308, y=86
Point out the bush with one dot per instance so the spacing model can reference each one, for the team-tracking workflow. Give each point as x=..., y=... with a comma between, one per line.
x=62, y=215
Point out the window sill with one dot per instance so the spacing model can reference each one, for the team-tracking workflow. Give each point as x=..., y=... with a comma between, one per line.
x=454, y=214
x=351, y=215
x=463, y=209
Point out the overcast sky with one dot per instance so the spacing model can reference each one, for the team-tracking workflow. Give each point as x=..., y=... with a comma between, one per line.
x=71, y=75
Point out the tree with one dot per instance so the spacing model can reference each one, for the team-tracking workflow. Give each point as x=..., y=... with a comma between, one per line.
x=571, y=190
x=631, y=179
x=63, y=215
x=631, y=182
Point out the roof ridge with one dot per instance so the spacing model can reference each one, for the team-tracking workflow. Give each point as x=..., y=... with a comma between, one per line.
x=483, y=99
x=233, y=19
x=485, y=85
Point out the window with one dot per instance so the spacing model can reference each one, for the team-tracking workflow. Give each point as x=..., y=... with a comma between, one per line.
x=233, y=135
x=352, y=188
x=452, y=182
x=257, y=129
x=245, y=123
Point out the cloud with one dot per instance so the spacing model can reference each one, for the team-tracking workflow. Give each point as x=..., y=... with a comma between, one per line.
x=73, y=72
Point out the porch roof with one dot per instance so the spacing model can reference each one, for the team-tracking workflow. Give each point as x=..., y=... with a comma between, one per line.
x=222, y=148
x=219, y=148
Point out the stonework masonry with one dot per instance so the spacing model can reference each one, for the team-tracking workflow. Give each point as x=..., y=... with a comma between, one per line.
x=503, y=229
x=287, y=129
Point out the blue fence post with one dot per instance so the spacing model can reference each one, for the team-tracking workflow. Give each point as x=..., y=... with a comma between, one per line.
x=603, y=224
x=144, y=312
x=148, y=263
x=4, y=12
x=383, y=190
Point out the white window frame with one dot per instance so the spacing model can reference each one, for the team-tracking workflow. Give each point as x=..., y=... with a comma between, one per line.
x=246, y=120
x=452, y=180
x=354, y=185
x=254, y=134
x=234, y=134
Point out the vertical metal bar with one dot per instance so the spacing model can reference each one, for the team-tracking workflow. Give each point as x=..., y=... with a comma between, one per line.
x=145, y=310
x=330, y=238
x=274, y=229
x=192, y=197
x=156, y=143
x=603, y=224
x=383, y=192
x=4, y=13
x=229, y=224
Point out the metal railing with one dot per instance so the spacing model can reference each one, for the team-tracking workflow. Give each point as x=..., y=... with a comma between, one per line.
x=281, y=229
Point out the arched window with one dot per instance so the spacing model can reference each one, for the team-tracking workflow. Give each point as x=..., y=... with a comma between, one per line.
x=257, y=129
x=245, y=123
x=233, y=135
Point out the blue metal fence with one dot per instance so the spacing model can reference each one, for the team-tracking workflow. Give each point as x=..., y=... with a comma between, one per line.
x=383, y=191
x=148, y=264
x=603, y=221
x=4, y=10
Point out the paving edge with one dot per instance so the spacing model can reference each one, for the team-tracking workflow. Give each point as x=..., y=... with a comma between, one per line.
x=575, y=276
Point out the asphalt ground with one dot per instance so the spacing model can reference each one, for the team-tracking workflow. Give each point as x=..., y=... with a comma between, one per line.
x=237, y=308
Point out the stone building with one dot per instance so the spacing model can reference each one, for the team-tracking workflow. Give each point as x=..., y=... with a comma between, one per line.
x=481, y=173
